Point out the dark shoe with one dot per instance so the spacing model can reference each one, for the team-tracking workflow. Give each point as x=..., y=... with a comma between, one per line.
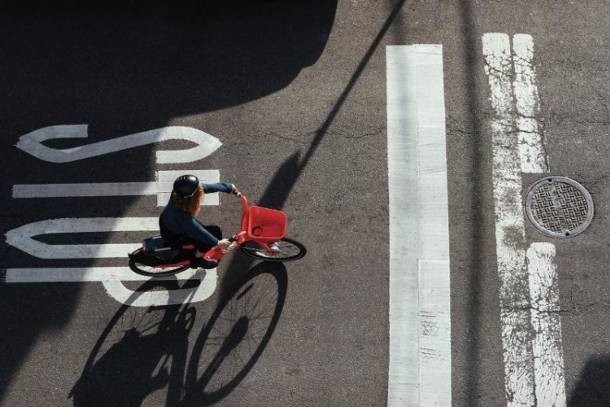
x=200, y=262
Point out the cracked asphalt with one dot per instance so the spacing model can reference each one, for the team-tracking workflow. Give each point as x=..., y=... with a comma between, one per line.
x=295, y=91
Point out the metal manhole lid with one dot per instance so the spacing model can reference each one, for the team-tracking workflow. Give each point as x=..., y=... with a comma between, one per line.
x=559, y=206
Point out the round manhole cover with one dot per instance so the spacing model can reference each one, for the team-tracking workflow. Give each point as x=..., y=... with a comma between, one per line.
x=559, y=206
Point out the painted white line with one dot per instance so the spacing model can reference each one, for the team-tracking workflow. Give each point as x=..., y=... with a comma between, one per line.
x=83, y=274
x=434, y=331
x=31, y=143
x=161, y=188
x=21, y=237
x=510, y=228
x=531, y=150
x=548, y=352
x=420, y=342
x=531, y=341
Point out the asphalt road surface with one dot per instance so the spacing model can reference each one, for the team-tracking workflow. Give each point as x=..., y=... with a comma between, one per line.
x=295, y=94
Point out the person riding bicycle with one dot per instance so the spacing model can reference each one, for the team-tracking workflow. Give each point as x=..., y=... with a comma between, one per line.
x=178, y=223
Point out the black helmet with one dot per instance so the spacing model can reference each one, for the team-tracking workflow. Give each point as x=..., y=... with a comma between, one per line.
x=185, y=186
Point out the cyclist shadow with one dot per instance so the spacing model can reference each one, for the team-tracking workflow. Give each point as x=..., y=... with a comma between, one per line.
x=143, y=353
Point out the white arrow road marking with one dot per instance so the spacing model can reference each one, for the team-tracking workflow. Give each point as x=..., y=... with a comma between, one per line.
x=31, y=143
x=161, y=188
x=21, y=237
x=420, y=324
x=531, y=341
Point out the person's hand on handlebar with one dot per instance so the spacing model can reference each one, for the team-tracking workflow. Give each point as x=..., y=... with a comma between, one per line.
x=225, y=245
x=235, y=191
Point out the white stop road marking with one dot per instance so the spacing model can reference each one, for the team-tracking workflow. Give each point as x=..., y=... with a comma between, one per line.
x=23, y=237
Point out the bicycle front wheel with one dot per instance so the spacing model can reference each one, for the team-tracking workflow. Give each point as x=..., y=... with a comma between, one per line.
x=289, y=250
x=142, y=263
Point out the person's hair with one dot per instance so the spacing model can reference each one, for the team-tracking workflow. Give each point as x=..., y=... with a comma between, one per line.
x=190, y=205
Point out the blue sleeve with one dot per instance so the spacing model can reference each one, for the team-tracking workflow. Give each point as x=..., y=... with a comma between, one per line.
x=217, y=187
x=195, y=230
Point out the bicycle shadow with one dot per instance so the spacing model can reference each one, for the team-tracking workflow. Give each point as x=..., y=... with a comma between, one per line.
x=237, y=334
x=144, y=352
x=132, y=356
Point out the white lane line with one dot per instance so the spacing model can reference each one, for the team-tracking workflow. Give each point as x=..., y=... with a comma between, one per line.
x=420, y=342
x=548, y=352
x=510, y=228
x=531, y=150
x=532, y=350
x=161, y=188
x=31, y=143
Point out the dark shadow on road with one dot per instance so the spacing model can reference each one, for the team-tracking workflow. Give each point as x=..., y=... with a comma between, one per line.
x=22, y=320
x=593, y=388
x=174, y=57
x=123, y=67
x=145, y=350
x=286, y=177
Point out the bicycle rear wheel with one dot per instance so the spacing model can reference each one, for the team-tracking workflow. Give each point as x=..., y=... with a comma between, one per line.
x=289, y=250
x=145, y=264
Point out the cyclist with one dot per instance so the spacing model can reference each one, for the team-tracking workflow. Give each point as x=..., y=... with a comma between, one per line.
x=178, y=223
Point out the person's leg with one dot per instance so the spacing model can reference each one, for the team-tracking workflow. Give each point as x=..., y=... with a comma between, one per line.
x=214, y=230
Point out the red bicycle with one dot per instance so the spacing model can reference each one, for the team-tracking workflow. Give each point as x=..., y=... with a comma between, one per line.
x=262, y=235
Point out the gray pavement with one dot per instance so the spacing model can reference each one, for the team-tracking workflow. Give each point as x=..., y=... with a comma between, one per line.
x=296, y=94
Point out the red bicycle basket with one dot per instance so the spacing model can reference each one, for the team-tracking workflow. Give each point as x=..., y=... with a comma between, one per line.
x=267, y=225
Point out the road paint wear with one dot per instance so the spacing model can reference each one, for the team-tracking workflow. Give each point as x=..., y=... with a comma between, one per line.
x=531, y=149
x=548, y=352
x=420, y=330
x=510, y=227
x=530, y=378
